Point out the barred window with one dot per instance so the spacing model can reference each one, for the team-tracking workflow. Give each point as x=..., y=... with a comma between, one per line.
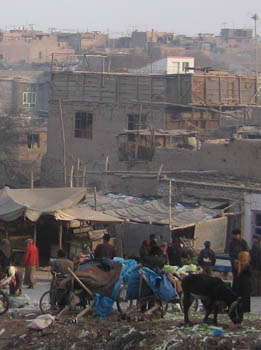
x=29, y=99
x=83, y=125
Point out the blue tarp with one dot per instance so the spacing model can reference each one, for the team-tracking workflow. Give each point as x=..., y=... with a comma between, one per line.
x=159, y=283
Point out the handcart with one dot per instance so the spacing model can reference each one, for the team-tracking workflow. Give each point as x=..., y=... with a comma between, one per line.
x=149, y=299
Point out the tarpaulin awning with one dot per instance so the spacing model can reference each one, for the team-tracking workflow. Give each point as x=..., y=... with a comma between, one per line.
x=157, y=213
x=154, y=211
x=84, y=213
x=32, y=203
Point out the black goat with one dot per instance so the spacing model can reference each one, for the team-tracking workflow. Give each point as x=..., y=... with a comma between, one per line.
x=211, y=290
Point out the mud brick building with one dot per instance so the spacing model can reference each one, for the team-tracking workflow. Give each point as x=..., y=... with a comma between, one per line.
x=87, y=111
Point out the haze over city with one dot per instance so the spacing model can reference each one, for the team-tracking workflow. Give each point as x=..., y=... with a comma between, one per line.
x=122, y=17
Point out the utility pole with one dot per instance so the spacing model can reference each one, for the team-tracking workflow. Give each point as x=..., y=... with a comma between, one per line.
x=255, y=18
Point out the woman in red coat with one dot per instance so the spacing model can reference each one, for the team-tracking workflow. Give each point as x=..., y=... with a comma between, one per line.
x=30, y=260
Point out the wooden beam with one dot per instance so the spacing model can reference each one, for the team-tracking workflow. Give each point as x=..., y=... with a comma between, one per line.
x=80, y=282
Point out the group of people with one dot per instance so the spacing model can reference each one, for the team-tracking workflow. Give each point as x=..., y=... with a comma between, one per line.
x=155, y=256
x=11, y=273
x=245, y=263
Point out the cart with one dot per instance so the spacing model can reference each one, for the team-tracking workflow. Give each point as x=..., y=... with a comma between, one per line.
x=148, y=302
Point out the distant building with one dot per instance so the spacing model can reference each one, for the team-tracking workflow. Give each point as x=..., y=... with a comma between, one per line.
x=81, y=42
x=140, y=39
x=29, y=46
x=168, y=65
x=236, y=34
x=23, y=125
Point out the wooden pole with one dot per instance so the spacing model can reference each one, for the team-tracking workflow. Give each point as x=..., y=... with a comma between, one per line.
x=32, y=179
x=63, y=141
x=60, y=235
x=78, y=172
x=35, y=233
x=105, y=176
x=84, y=176
x=170, y=203
x=95, y=199
x=80, y=282
x=71, y=176
x=159, y=172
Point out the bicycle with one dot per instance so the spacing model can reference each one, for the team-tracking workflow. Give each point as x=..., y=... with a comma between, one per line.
x=50, y=301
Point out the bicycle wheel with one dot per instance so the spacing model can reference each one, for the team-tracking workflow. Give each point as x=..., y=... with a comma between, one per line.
x=46, y=303
x=4, y=302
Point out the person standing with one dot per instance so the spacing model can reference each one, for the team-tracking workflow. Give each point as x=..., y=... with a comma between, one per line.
x=207, y=259
x=255, y=255
x=236, y=246
x=175, y=250
x=242, y=279
x=164, y=248
x=105, y=249
x=5, y=254
x=30, y=260
x=61, y=264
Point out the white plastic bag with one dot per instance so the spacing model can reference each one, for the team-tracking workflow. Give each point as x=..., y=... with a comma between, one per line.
x=42, y=322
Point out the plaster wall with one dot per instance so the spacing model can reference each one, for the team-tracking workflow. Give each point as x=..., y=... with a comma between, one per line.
x=252, y=202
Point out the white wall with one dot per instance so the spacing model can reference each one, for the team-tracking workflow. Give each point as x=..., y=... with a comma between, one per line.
x=252, y=202
x=168, y=65
x=175, y=65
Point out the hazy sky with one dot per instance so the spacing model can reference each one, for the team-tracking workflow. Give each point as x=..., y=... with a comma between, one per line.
x=122, y=16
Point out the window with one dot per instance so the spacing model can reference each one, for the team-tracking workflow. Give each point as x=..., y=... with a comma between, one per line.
x=33, y=141
x=29, y=99
x=136, y=123
x=83, y=125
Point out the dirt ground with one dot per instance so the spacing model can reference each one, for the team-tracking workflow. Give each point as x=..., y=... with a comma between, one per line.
x=155, y=333
x=168, y=333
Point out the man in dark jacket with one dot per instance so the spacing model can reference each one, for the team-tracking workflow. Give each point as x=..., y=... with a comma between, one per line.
x=207, y=259
x=61, y=264
x=174, y=250
x=151, y=253
x=236, y=246
x=105, y=249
